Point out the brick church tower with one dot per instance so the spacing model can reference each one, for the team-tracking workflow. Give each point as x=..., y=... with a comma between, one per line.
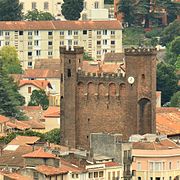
x=107, y=102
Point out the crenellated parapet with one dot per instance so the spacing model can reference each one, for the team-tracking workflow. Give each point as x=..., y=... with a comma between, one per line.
x=71, y=50
x=100, y=77
x=140, y=51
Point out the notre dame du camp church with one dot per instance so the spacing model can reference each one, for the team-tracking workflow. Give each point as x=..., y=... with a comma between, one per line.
x=107, y=102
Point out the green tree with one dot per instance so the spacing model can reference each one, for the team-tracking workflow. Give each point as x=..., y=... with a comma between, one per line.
x=108, y=1
x=71, y=9
x=36, y=15
x=175, y=100
x=10, y=10
x=10, y=61
x=170, y=32
x=10, y=98
x=53, y=136
x=166, y=81
x=39, y=97
x=141, y=12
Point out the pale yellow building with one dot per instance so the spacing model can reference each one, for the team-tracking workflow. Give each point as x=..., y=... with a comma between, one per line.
x=41, y=39
x=156, y=160
x=54, y=7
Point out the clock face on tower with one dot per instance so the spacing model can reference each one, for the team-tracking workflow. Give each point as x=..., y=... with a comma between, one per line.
x=131, y=80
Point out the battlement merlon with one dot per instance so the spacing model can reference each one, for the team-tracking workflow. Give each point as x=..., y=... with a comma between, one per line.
x=71, y=50
x=101, y=76
x=140, y=51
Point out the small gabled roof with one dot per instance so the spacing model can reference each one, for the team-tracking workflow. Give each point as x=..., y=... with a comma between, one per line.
x=40, y=153
x=18, y=125
x=41, y=84
x=3, y=119
x=24, y=140
x=49, y=170
x=52, y=111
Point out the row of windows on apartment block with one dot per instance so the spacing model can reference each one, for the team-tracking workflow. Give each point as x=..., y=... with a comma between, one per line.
x=46, y=5
x=159, y=166
x=61, y=32
x=50, y=53
x=156, y=178
x=61, y=43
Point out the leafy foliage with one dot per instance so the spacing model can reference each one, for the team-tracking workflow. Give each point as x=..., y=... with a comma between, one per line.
x=71, y=9
x=39, y=97
x=10, y=98
x=10, y=61
x=36, y=15
x=170, y=32
x=141, y=12
x=10, y=10
x=108, y=1
x=52, y=136
x=87, y=57
x=166, y=81
x=175, y=100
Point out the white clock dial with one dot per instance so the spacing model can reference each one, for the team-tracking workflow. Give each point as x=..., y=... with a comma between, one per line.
x=130, y=80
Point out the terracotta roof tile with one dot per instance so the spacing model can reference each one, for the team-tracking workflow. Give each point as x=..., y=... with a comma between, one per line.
x=59, y=25
x=161, y=145
x=41, y=84
x=52, y=111
x=40, y=153
x=18, y=125
x=53, y=64
x=49, y=170
x=16, y=176
x=3, y=119
x=168, y=120
x=13, y=158
x=35, y=124
x=111, y=164
x=24, y=140
x=41, y=73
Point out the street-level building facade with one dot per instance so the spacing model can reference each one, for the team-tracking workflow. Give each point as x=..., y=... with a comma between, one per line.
x=41, y=39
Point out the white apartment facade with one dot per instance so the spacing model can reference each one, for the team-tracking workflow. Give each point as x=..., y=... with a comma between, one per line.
x=42, y=39
x=54, y=7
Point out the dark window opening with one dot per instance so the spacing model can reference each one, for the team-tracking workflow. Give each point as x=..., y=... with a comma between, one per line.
x=143, y=76
x=62, y=97
x=87, y=137
x=69, y=73
x=61, y=78
x=50, y=33
x=69, y=61
x=20, y=33
x=79, y=60
x=84, y=32
x=88, y=120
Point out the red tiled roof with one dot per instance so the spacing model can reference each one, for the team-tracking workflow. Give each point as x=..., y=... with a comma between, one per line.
x=111, y=164
x=94, y=67
x=41, y=73
x=35, y=124
x=18, y=125
x=24, y=140
x=69, y=167
x=14, y=157
x=159, y=145
x=168, y=120
x=41, y=84
x=49, y=170
x=40, y=153
x=52, y=111
x=3, y=119
x=15, y=176
x=60, y=25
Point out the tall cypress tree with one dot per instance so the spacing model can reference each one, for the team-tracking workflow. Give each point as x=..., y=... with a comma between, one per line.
x=71, y=9
x=10, y=10
x=10, y=98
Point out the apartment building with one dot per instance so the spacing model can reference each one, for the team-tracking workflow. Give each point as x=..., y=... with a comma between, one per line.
x=156, y=158
x=54, y=7
x=41, y=39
